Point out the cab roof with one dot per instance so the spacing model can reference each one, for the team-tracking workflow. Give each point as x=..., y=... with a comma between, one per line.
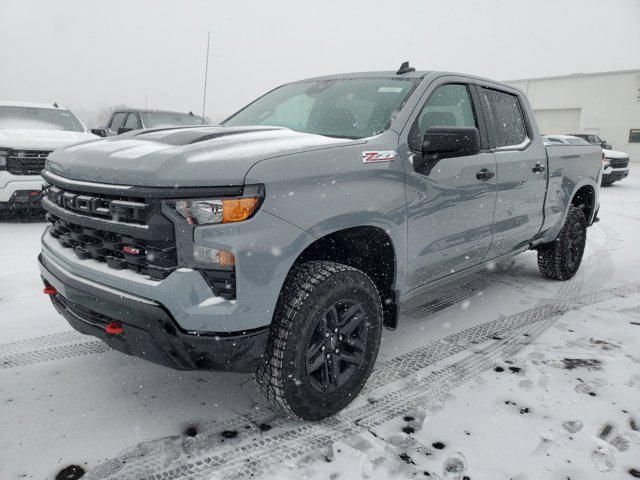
x=10, y=103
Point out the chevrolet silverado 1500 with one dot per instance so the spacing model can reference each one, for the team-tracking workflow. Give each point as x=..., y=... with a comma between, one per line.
x=285, y=239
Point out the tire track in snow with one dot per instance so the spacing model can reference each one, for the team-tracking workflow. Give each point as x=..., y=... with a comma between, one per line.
x=54, y=353
x=253, y=452
x=45, y=341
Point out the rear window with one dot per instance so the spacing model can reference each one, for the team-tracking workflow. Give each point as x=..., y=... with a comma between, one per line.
x=32, y=118
x=506, y=119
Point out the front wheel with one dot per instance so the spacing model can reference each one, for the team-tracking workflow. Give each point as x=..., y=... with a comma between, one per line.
x=324, y=340
x=560, y=259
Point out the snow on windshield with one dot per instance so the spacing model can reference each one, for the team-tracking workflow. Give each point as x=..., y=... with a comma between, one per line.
x=31, y=118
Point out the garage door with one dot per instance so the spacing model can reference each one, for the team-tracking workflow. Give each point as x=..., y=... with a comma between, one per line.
x=558, y=121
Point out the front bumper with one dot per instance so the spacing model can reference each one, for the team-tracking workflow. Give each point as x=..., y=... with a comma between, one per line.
x=150, y=332
x=11, y=185
x=614, y=174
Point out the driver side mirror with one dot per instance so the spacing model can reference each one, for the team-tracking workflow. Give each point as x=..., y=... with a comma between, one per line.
x=446, y=142
x=101, y=132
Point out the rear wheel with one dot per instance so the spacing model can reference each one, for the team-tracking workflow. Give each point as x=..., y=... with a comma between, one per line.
x=324, y=340
x=560, y=259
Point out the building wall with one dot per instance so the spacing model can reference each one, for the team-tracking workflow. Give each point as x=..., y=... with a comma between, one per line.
x=604, y=103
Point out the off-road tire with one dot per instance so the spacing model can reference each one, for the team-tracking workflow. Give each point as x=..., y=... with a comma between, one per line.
x=309, y=290
x=560, y=259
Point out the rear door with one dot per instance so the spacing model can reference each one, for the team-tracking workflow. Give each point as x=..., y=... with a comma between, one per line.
x=450, y=202
x=521, y=170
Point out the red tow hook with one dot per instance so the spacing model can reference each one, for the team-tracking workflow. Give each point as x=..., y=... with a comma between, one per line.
x=50, y=290
x=114, y=328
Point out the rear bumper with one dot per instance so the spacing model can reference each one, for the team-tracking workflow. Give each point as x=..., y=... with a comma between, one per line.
x=149, y=330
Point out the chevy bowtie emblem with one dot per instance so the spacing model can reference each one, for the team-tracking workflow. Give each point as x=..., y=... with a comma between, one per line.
x=378, y=156
x=131, y=250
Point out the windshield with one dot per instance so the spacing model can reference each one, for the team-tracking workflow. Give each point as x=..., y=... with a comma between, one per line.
x=353, y=108
x=31, y=118
x=170, y=119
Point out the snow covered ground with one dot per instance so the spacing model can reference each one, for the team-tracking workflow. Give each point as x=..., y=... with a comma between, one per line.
x=514, y=377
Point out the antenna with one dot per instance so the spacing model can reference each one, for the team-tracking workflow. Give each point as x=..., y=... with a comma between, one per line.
x=405, y=68
x=206, y=74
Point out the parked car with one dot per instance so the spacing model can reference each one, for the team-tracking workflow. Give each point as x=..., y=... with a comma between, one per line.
x=284, y=240
x=593, y=139
x=615, y=165
x=123, y=121
x=28, y=133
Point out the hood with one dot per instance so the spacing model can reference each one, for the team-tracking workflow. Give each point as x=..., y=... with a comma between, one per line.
x=178, y=157
x=27, y=139
x=614, y=154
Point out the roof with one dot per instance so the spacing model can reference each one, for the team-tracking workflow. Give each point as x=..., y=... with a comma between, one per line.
x=150, y=110
x=388, y=74
x=9, y=103
x=576, y=75
x=382, y=74
x=564, y=137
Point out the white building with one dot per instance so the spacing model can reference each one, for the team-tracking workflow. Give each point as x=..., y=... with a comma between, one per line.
x=606, y=103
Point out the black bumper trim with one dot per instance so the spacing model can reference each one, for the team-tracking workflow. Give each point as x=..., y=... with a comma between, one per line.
x=615, y=176
x=150, y=332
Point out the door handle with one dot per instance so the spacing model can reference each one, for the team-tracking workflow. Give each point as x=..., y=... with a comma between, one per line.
x=539, y=168
x=484, y=174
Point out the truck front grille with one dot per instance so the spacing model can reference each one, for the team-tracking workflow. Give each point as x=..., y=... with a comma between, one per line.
x=157, y=259
x=619, y=162
x=100, y=206
x=26, y=162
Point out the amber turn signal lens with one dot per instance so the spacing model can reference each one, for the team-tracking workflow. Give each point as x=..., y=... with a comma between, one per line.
x=238, y=209
x=226, y=259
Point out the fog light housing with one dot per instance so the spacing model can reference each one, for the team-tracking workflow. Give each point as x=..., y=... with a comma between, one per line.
x=213, y=258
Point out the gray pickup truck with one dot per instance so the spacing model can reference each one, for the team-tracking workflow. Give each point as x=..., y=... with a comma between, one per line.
x=283, y=241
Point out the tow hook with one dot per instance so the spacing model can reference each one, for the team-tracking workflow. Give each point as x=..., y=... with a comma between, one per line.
x=114, y=328
x=50, y=290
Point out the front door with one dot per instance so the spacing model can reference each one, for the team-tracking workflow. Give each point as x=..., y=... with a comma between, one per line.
x=450, y=203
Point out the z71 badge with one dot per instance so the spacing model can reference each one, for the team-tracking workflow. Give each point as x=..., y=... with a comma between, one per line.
x=378, y=156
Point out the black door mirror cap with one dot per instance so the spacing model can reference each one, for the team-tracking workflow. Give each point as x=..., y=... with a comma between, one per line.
x=446, y=142
x=101, y=132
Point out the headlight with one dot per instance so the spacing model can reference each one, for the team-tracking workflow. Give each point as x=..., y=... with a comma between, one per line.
x=207, y=211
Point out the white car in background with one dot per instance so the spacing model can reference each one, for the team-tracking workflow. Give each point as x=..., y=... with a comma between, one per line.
x=28, y=133
x=615, y=164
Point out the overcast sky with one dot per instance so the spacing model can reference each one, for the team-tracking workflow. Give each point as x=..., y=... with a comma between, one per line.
x=92, y=55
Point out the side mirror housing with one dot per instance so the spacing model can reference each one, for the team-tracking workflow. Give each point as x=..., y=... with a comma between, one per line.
x=445, y=142
x=101, y=132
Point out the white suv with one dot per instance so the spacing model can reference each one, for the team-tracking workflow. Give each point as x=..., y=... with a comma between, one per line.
x=28, y=133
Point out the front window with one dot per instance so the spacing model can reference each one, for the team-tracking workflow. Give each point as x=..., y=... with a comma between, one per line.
x=351, y=108
x=170, y=119
x=32, y=118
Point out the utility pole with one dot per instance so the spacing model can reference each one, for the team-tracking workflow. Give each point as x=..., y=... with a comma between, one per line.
x=206, y=74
